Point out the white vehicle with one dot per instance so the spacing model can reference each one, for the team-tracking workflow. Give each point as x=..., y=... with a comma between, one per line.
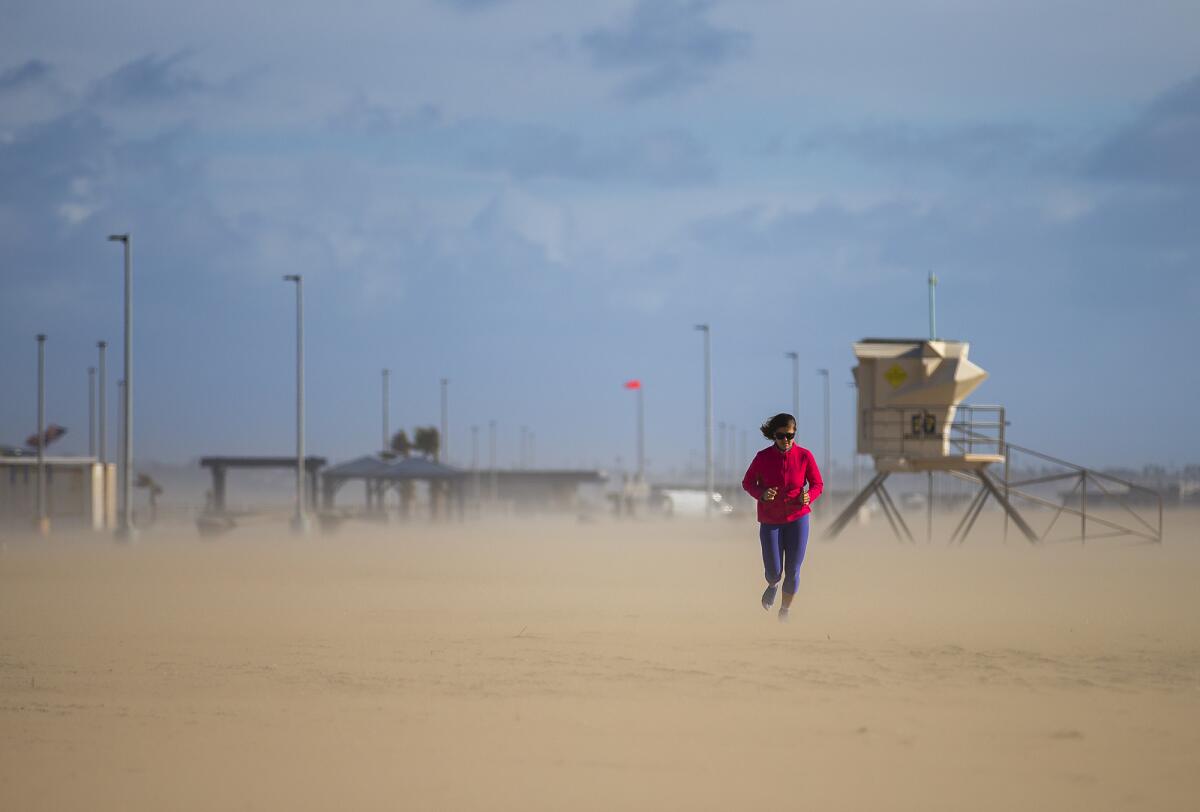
x=690, y=503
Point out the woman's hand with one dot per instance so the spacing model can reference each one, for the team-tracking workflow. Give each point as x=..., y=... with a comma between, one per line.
x=806, y=499
x=769, y=494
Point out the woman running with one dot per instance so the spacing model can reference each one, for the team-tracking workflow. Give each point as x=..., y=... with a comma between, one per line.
x=776, y=478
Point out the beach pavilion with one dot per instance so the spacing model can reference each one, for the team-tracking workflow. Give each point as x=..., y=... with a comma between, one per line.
x=379, y=475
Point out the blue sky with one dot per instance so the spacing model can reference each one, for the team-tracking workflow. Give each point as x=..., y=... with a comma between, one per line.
x=539, y=199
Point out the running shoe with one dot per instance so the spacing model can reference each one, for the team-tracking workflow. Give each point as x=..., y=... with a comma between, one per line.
x=768, y=598
x=783, y=614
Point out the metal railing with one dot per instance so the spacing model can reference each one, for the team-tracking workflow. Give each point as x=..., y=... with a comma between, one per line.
x=1115, y=490
x=918, y=430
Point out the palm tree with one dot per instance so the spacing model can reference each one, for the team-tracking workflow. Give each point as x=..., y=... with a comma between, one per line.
x=427, y=441
x=401, y=444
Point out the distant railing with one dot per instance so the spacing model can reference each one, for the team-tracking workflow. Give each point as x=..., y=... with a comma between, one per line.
x=917, y=430
x=1114, y=490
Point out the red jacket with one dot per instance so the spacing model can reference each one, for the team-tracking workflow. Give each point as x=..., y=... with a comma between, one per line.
x=789, y=473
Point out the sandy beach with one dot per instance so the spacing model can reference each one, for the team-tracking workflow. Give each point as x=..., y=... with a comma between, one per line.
x=559, y=665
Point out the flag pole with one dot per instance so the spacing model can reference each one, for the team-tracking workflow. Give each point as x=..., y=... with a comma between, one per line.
x=641, y=427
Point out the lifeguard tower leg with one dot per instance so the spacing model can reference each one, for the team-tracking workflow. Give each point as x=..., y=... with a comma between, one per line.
x=968, y=520
x=839, y=524
x=886, y=499
x=1008, y=508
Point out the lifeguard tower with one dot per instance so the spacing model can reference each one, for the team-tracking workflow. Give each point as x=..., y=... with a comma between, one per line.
x=911, y=419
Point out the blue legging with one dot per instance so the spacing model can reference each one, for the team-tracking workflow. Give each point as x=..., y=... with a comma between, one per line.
x=783, y=547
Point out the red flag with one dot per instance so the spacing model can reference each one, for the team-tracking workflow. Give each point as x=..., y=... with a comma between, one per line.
x=634, y=384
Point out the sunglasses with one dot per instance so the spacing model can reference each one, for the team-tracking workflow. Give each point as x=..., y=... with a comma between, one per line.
x=784, y=435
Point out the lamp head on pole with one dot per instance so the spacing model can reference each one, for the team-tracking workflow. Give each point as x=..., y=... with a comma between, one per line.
x=795, y=356
x=292, y=277
x=702, y=328
x=118, y=238
x=41, y=337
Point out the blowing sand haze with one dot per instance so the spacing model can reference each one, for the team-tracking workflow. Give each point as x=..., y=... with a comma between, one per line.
x=597, y=667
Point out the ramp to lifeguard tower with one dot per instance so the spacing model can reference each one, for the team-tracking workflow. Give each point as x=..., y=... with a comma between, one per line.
x=1104, y=505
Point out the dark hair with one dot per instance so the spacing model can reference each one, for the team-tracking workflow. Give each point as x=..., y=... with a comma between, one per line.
x=776, y=423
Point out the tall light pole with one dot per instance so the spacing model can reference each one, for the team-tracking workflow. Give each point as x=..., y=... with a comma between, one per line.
x=824, y=373
x=722, y=453
x=120, y=409
x=524, y=446
x=731, y=468
x=125, y=529
x=929, y=474
x=854, y=436
x=795, y=356
x=475, y=465
x=708, y=420
x=42, y=520
x=300, y=520
x=444, y=444
x=92, y=412
x=102, y=431
x=495, y=482
x=102, y=415
x=386, y=436
x=932, y=306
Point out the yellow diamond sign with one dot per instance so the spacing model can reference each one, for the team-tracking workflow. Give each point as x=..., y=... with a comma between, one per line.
x=895, y=376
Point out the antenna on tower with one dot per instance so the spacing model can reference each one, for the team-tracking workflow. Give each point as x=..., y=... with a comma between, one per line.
x=932, y=306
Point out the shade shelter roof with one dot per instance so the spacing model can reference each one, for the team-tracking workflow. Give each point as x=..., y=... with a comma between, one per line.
x=401, y=468
x=365, y=467
x=311, y=464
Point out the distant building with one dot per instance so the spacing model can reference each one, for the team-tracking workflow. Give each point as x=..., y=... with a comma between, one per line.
x=530, y=491
x=79, y=490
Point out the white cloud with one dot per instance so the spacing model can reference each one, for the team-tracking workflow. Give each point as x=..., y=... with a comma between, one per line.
x=75, y=213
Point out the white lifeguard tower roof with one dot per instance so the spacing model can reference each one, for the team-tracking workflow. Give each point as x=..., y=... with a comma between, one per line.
x=922, y=372
x=909, y=394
